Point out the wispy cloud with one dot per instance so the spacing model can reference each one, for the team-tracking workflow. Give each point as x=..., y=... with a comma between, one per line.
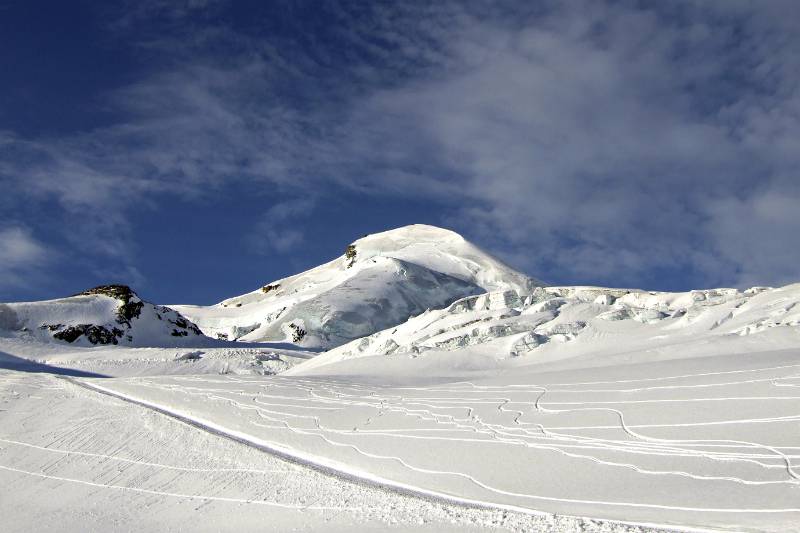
x=585, y=141
x=278, y=229
x=601, y=142
x=22, y=254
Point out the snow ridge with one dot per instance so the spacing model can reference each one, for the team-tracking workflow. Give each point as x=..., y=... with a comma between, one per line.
x=591, y=319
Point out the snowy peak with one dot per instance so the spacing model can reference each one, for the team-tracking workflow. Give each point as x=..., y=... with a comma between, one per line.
x=379, y=281
x=404, y=237
x=108, y=314
x=444, y=251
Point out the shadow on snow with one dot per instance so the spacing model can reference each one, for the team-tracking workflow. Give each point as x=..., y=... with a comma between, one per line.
x=11, y=362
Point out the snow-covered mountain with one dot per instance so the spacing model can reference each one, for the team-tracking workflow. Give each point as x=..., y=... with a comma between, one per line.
x=380, y=281
x=647, y=407
x=109, y=314
x=554, y=323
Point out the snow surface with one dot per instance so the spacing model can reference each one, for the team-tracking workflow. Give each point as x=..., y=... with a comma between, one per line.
x=75, y=460
x=219, y=358
x=709, y=441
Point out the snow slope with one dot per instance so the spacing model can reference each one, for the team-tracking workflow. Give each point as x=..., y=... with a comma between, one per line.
x=707, y=441
x=380, y=281
x=110, y=314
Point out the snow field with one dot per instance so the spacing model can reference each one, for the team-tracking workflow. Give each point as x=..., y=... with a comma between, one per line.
x=75, y=460
x=715, y=449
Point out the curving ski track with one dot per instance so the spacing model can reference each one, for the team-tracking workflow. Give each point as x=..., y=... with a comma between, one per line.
x=286, y=416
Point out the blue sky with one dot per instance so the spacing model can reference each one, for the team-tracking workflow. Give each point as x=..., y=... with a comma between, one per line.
x=199, y=149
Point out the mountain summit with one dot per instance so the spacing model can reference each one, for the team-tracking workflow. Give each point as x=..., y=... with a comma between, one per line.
x=380, y=281
x=444, y=251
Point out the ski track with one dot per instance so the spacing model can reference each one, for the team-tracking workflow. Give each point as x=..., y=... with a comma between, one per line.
x=179, y=495
x=137, y=462
x=461, y=413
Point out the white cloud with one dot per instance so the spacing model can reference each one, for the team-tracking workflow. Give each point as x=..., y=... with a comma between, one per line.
x=600, y=139
x=758, y=235
x=20, y=255
x=18, y=248
x=278, y=229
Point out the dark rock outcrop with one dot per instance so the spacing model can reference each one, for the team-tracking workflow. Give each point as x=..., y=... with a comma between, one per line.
x=350, y=255
x=131, y=306
x=94, y=334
